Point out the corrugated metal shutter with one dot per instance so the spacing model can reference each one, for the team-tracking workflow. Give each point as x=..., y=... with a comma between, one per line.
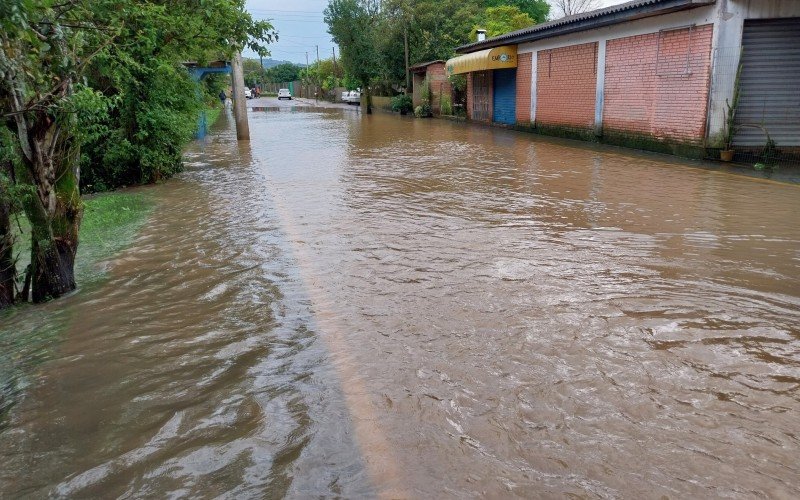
x=505, y=96
x=769, y=86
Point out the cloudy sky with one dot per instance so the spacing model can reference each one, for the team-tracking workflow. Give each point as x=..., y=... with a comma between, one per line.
x=301, y=27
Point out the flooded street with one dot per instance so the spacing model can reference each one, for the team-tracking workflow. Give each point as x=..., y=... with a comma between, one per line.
x=382, y=306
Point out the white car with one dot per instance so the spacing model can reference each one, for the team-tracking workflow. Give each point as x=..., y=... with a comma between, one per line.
x=284, y=94
x=352, y=97
x=248, y=94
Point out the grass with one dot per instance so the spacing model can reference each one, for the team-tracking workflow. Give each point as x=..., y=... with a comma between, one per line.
x=110, y=223
x=212, y=114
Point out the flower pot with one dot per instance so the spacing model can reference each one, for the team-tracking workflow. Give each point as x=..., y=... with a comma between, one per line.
x=726, y=154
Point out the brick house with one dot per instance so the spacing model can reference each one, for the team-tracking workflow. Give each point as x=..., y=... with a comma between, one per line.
x=646, y=72
x=434, y=73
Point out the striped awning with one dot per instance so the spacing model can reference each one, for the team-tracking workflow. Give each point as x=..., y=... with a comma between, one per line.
x=496, y=58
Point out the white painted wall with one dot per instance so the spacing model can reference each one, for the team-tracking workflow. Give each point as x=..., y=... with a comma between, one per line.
x=727, y=42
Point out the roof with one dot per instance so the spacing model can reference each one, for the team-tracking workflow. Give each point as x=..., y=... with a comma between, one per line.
x=615, y=14
x=421, y=66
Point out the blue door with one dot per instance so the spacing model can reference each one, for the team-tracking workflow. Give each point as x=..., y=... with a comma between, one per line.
x=505, y=96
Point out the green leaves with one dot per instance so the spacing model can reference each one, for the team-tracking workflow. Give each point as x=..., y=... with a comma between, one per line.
x=503, y=19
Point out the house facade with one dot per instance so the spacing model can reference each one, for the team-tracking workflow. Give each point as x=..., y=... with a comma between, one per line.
x=656, y=74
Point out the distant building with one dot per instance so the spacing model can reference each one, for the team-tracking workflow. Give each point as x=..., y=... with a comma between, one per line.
x=646, y=72
x=432, y=72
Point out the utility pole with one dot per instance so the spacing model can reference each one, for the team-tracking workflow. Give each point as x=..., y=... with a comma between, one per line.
x=239, y=101
x=319, y=82
x=405, y=42
x=306, y=78
x=335, y=72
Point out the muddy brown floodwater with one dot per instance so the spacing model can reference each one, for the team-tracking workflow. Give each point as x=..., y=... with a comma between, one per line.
x=377, y=306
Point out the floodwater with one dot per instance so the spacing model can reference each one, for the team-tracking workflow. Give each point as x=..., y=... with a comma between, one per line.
x=367, y=306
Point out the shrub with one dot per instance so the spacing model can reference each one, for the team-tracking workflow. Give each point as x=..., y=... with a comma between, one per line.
x=402, y=103
x=445, y=105
x=423, y=110
x=425, y=92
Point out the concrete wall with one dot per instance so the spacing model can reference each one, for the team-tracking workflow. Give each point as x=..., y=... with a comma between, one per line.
x=657, y=84
x=565, y=83
x=416, y=82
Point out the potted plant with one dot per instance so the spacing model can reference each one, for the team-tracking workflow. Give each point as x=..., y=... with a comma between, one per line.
x=730, y=119
x=727, y=152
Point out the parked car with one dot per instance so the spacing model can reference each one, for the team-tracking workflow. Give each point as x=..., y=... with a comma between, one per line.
x=353, y=97
x=284, y=94
x=248, y=94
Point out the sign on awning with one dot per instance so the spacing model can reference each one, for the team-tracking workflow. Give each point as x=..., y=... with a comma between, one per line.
x=496, y=58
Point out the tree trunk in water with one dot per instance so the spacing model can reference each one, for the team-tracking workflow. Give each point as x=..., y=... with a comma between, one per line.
x=54, y=268
x=369, y=100
x=7, y=269
x=50, y=150
x=54, y=239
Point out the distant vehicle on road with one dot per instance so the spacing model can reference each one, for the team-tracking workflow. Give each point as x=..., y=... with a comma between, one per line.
x=284, y=94
x=352, y=97
x=248, y=94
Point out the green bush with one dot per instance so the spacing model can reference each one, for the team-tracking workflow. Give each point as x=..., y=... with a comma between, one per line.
x=155, y=113
x=445, y=105
x=402, y=103
x=423, y=111
x=425, y=92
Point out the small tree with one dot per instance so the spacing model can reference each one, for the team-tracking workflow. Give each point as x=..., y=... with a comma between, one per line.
x=565, y=8
x=503, y=19
x=350, y=23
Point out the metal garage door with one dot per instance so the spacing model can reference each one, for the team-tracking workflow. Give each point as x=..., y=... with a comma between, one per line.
x=505, y=96
x=769, y=88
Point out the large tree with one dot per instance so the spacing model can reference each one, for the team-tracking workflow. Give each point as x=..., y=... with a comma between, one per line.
x=503, y=19
x=47, y=53
x=571, y=7
x=351, y=25
x=538, y=10
x=285, y=72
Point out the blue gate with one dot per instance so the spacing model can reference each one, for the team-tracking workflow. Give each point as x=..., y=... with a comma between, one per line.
x=505, y=96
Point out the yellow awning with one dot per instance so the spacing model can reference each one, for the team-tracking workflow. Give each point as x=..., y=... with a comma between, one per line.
x=496, y=58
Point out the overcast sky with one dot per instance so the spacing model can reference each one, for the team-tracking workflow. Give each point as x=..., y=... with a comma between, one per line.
x=301, y=27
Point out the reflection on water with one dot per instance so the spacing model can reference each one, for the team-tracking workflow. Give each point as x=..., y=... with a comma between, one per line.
x=358, y=305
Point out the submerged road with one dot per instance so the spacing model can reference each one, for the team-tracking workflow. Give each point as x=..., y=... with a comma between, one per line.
x=363, y=306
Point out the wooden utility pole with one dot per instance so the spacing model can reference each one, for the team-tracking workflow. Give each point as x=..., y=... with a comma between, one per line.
x=239, y=100
x=306, y=78
x=405, y=42
x=319, y=81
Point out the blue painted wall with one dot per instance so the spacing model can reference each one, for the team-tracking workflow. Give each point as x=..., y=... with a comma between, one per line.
x=505, y=96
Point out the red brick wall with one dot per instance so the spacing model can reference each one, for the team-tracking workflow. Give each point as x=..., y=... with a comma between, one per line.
x=440, y=85
x=524, y=88
x=646, y=90
x=566, y=79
